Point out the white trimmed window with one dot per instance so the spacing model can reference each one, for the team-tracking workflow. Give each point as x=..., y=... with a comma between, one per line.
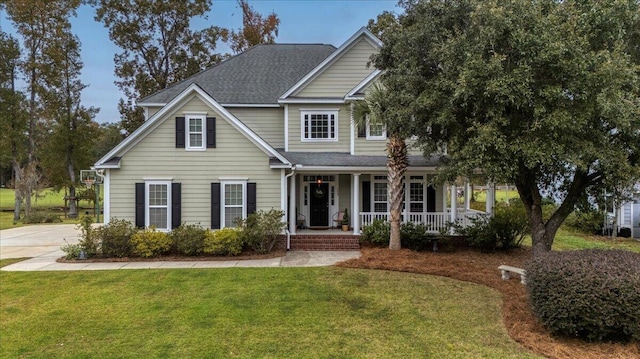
x=158, y=205
x=379, y=194
x=319, y=125
x=416, y=194
x=233, y=202
x=376, y=131
x=196, y=132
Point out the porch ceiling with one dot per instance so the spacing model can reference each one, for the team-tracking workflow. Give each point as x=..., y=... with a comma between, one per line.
x=344, y=159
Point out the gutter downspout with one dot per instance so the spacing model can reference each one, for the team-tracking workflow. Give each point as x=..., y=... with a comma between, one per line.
x=286, y=231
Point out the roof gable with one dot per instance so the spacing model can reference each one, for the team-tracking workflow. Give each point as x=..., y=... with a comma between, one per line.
x=138, y=135
x=363, y=33
x=257, y=76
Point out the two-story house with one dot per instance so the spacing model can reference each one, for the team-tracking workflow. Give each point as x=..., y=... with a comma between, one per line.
x=269, y=128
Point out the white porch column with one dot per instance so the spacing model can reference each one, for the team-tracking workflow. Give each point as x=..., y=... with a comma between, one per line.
x=467, y=196
x=454, y=203
x=454, y=206
x=444, y=197
x=293, y=216
x=355, y=212
x=490, y=198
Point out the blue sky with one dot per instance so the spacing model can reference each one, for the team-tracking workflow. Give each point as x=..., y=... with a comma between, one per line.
x=301, y=21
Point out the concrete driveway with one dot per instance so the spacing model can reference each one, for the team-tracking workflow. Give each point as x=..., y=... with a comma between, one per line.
x=42, y=240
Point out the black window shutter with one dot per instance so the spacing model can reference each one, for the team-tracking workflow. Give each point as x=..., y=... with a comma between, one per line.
x=431, y=199
x=140, y=195
x=211, y=132
x=362, y=131
x=180, y=132
x=251, y=198
x=366, y=196
x=176, y=205
x=215, y=206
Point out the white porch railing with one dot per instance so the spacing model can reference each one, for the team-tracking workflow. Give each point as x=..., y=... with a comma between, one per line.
x=434, y=221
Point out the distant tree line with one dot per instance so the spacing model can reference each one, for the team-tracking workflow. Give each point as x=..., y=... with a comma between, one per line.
x=46, y=134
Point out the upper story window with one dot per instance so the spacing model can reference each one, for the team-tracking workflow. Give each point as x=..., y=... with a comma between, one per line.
x=319, y=125
x=196, y=132
x=376, y=131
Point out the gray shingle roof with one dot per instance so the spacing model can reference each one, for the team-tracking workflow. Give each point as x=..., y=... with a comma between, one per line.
x=257, y=76
x=342, y=159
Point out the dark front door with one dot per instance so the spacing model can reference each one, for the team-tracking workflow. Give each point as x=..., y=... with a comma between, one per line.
x=319, y=204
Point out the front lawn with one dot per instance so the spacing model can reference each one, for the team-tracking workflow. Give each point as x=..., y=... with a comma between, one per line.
x=569, y=239
x=247, y=313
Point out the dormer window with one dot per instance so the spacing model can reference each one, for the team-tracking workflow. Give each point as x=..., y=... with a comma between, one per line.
x=319, y=125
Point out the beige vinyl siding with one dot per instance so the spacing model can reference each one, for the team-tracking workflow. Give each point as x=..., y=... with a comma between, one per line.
x=152, y=110
x=378, y=147
x=439, y=197
x=268, y=123
x=369, y=147
x=344, y=193
x=344, y=74
x=155, y=157
x=295, y=134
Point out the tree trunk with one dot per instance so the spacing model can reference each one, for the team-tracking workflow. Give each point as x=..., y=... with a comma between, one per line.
x=31, y=136
x=18, y=194
x=397, y=163
x=543, y=234
x=73, y=206
x=540, y=240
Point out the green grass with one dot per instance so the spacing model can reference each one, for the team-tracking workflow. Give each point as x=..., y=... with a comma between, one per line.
x=6, y=220
x=567, y=239
x=249, y=312
x=501, y=195
x=8, y=261
x=47, y=200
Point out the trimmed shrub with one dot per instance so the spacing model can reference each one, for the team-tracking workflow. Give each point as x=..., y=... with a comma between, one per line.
x=188, y=239
x=415, y=237
x=150, y=243
x=591, y=294
x=116, y=238
x=225, y=242
x=42, y=217
x=260, y=230
x=412, y=236
x=72, y=251
x=587, y=222
x=504, y=230
x=377, y=232
x=89, y=237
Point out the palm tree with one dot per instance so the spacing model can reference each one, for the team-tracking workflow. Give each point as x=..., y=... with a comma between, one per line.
x=378, y=107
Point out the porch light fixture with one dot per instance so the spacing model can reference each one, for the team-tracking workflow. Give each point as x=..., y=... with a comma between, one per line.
x=319, y=180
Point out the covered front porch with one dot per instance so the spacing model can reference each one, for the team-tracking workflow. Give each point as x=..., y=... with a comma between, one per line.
x=317, y=200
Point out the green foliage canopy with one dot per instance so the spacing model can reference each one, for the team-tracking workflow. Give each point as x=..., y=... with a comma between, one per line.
x=542, y=94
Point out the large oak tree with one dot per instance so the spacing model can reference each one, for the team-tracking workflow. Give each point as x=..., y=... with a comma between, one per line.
x=542, y=94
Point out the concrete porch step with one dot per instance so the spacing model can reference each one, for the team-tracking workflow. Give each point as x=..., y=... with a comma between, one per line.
x=312, y=242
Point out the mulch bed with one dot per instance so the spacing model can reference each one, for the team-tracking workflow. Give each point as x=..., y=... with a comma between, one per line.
x=245, y=255
x=482, y=268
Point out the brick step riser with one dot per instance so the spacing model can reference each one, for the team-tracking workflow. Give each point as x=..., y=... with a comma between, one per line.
x=323, y=243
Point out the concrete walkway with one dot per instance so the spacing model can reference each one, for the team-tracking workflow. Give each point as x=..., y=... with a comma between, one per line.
x=42, y=244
